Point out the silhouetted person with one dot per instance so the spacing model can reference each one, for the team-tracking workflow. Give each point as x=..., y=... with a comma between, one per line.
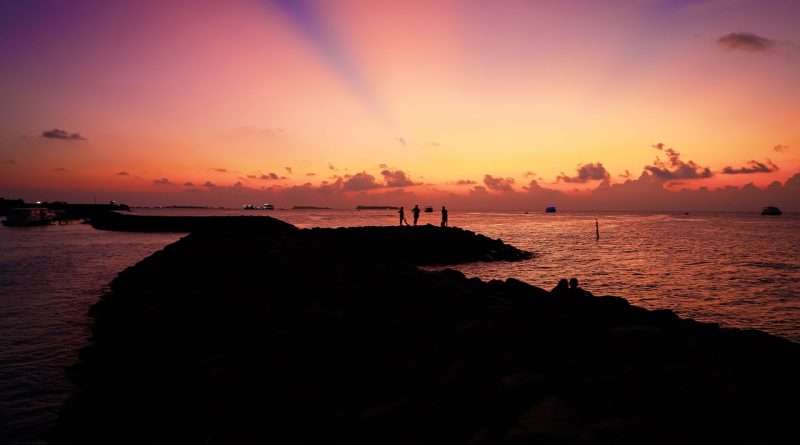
x=561, y=289
x=415, y=211
x=444, y=217
x=576, y=290
x=402, y=213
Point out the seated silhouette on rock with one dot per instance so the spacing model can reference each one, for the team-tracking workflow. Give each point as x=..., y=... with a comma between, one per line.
x=561, y=289
x=575, y=290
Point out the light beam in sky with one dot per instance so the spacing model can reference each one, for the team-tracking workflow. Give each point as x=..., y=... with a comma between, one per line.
x=308, y=19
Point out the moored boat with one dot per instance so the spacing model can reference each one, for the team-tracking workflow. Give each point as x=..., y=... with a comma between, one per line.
x=550, y=209
x=771, y=210
x=428, y=209
x=29, y=216
x=266, y=206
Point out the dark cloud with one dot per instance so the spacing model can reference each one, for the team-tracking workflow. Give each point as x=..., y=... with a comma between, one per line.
x=288, y=169
x=8, y=162
x=625, y=175
x=360, y=181
x=59, y=170
x=780, y=148
x=528, y=174
x=675, y=168
x=123, y=173
x=189, y=184
x=498, y=184
x=402, y=141
x=311, y=174
x=397, y=178
x=465, y=182
x=252, y=176
x=271, y=177
x=751, y=167
x=586, y=173
x=383, y=166
x=745, y=41
x=659, y=146
x=219, y=170
x=210, y=184
x=162, y=181
x=331, y=167
x=55, y=133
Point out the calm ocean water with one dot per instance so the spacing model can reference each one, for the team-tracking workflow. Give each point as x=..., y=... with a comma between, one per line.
x=737, y=269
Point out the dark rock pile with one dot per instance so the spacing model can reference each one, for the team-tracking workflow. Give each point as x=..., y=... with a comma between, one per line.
x=333, y=336
x=137, y=223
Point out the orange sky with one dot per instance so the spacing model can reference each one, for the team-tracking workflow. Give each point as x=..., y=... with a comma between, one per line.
x=208, y=103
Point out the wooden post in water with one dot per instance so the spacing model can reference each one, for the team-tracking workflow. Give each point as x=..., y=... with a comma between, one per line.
x=597, y=228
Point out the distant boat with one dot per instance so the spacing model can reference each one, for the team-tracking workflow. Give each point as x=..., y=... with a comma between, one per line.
x=428, y=209
x=550, y=209
x=29, y=216
x=771, y=210
x=264, y=207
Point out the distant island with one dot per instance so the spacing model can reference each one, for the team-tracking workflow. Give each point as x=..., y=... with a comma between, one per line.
x=377, y=207
x=63, y=209
x=310, y=208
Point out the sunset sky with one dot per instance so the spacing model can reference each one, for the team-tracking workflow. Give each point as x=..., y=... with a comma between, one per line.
x=634, y=104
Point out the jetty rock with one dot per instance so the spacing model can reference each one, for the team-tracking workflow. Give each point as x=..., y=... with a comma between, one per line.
x=335, y=336
x=126, y=222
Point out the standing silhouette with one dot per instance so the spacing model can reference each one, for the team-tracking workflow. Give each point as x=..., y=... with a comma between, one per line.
x=444, y=217
x=415, y=211
x=402, y=213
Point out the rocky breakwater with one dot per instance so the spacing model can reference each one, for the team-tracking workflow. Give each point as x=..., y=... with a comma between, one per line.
x=334, y=336
x=136, y=223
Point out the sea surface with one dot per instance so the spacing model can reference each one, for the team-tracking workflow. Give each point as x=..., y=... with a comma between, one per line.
x=736, y=269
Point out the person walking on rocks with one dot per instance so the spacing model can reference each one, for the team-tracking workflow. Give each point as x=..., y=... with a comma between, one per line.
x=402, y=213
x=415, y=211
x=444, y=217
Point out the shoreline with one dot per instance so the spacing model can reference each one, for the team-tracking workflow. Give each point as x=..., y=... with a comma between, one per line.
x=259, y=334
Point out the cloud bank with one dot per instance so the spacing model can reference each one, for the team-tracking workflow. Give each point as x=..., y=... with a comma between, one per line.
x=498, y=184
x=55, y=133
x=397, y=178
x=675, y=168
x=745, y=41
x=586, y=173
x=751, y=167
